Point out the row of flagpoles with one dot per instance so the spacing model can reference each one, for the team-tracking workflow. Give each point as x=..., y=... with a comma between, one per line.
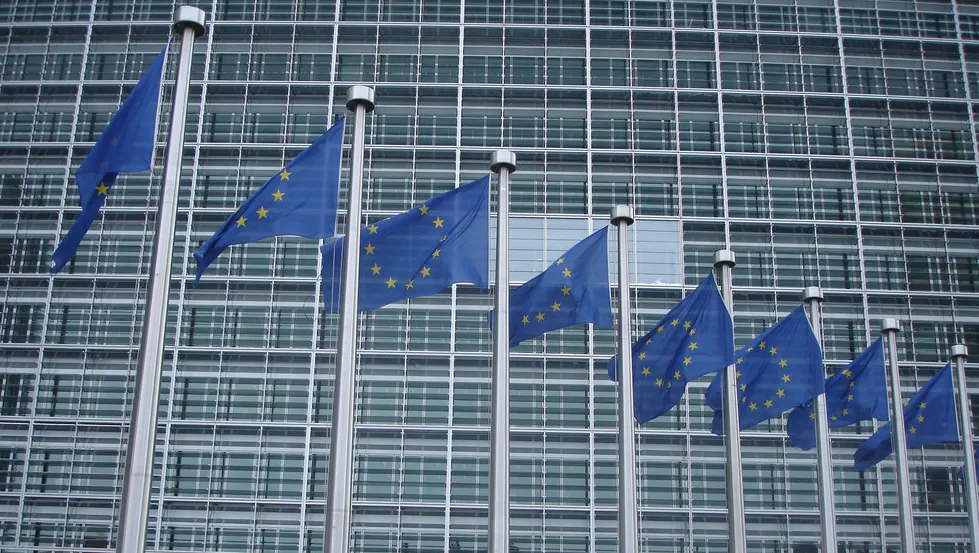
x=444, y=241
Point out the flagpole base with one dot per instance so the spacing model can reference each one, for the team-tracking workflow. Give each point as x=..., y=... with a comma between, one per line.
x=189, y=16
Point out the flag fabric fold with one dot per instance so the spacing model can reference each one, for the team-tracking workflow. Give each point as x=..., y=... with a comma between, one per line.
x=299, y=200
x=125, y=146
x=695, y=338
x=419, y=252
x=857, y=392
x=778, y=370
x=573, y=290
x=929, y=418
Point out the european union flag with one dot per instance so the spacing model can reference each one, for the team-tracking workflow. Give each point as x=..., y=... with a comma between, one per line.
x=299, y=200
x=856, y=393
x=781, y=368
x=573, y=290
x=695, y=338
x=419, y=252
x=126, y=146
x=929, y=418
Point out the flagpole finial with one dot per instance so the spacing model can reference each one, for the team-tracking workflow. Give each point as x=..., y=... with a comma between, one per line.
x=958, y=350
x=890, y=323
x=813, y=293
x=724, y=257
x=623, y=213
x=189, y=16
x=360, y=95
x=501, y=159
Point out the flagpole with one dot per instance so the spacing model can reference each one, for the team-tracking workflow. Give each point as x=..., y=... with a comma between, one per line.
x=958, y=355
x=890, y=328
x=503, y=163
x=622, y=217
x=188, y=23
x=724, y=263
x=360, y=100
x=824, y=453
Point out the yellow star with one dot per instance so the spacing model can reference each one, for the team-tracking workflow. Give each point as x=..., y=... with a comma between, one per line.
x=411, y=284
x=669, y=384
x=905, y=401
x=740, y=360
x=263, y=213
x=566, y=290
x=693, y=331
x=744, y=387
x=426, y=272
x=540, y=316
x=372, y=229
x=278, y=195
x=693, y=345
x=785, y=378
x=241, y=221
x=439, y=222
x=660, y=329
x=659, y=382
x=376, y=269
x=922, y=405
x=369, y=248
x=566, y=272
x=444, y=236
x=921, y=418
x=559, y=261
x=744, y=399
x=525, y=319
x=852, y=383
x=687, y=361
x=780, y=393
x=390, y=282
x=284, y=175
x=812, y=416
x=913, y=430
x=436, y=253
x=645, y=371
x=649, y=341
x=773, y=351
x=642, y=355
x=424, y=209
x=675, y=322
x=761, y=345
x=555, y=306
x=845, y=412
x=768, y=403
x=102, y=189
x=751, y=349
x=686, y=325
x=847, y=373
x=783, y=363
x=676, y=375
x=835, y=418
x=752, y=406
x=737, y=374
x=849, y=397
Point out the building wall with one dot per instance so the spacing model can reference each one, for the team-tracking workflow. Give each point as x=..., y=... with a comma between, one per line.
x=829, y=143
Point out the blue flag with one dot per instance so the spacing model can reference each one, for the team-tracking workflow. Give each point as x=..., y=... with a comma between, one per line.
x=929, y=418
x=856, y=393
x=781, y=368
x=299, y=200
x=695, y=338
x=126, y=146
x=573, y=290
x=419, y=252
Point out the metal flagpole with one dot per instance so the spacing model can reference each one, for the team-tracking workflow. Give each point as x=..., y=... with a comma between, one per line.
x=360, y=100
x=958, y=355
x=890, y=328
x=824, y=460
x=622, y=217
x=503, y=163
x=188, y=23
x=724, y=262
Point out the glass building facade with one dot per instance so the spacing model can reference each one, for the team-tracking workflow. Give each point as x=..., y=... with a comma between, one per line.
x=827, y=142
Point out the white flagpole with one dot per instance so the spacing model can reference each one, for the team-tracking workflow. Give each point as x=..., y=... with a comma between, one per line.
x=724, y=263
x=891, y=327
x=958, y=355
x=503, y=163
x=622, y=217
x=136, y=485
x=824, y=453
x=360, y=100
